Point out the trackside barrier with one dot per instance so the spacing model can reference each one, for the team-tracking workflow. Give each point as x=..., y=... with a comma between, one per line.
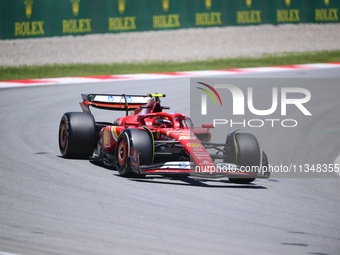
x=46, y=18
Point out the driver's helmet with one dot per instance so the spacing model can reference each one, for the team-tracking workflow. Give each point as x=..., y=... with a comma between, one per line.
x=161, y=121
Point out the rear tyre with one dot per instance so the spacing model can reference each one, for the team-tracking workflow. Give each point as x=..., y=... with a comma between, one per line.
x=248, y=154
x=77, y=135
x=133, y=140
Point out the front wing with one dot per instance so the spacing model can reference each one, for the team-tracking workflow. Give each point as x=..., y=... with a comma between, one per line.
x=220, y=170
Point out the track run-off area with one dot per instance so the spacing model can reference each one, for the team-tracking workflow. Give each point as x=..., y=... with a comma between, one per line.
x=52, y=205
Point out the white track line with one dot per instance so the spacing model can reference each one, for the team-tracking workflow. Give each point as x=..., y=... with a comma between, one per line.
x=7, y=253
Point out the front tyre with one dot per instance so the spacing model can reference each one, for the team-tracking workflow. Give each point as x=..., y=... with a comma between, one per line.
x=134, y=146
x=248, y=154
x=77, y=135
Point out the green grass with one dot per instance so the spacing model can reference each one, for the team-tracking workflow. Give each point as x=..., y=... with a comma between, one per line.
x=53, y=71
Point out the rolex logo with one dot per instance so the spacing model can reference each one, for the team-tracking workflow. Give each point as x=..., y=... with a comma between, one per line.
x=28, y=8
x=75, y=7
x=287, y=3
x=248, y=3
x=121, y=6
x=208, y=4
x=326, y=2
x=165, y=5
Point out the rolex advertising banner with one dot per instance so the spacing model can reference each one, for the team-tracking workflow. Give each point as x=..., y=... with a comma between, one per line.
x=46, y=18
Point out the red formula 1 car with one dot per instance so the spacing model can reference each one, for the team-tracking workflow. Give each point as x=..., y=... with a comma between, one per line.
x=151, y=141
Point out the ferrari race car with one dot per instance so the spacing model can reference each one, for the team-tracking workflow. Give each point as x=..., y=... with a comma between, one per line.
x=149, y=140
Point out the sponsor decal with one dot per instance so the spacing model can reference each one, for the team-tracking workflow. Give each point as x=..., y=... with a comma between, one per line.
x=183, y=165
x=76, y=26
x=122, y=23
x=166, y=20
x=75, y=7
x=178, y=133
x=208, y=18
x=248, y=17
x=110, y=98
x=194, y=145
x=327, y=14
x=121, y=6
x=28, y=28
x=114, y=133
x=28, y=8
x=208, y=4
x=165, y=5
x=207, y=157
x=129, y=99
x=106, y=137
x=288, y=15
x=197, y=149
x=203, y=154
x=187, y=137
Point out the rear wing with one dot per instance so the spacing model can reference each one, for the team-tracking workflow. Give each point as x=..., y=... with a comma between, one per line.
x=117, y=102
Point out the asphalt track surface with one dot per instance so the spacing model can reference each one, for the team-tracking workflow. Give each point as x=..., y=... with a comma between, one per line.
x=51, y=205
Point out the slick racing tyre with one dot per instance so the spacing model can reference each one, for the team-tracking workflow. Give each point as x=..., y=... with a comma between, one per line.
x=130, y=140
x=77, y=135
x=248, y=154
